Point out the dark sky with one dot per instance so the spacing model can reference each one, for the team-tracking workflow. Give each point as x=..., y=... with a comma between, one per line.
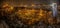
x=26, y=1
x=17, y=2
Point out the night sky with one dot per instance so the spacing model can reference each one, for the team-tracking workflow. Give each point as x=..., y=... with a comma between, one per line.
x=28, y=2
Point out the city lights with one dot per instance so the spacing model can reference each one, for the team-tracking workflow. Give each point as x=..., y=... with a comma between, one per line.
x=29, y=14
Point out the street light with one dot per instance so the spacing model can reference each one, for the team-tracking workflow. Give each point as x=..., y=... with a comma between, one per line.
x=54, y=9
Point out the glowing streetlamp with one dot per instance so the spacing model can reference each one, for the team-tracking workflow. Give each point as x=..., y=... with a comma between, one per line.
x=54, y=9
